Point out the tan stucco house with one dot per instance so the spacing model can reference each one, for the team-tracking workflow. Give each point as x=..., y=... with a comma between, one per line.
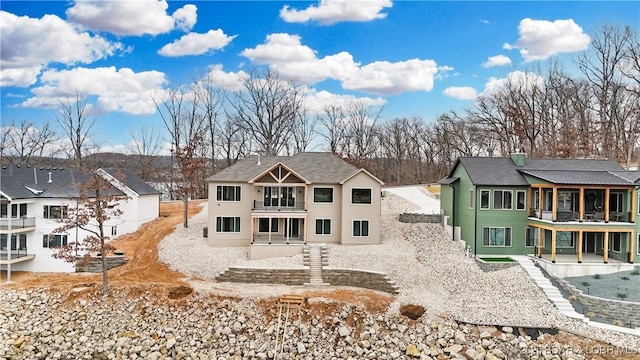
x=277, y=204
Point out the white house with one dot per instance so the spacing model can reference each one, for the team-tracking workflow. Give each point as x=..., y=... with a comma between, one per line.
x=32, y=200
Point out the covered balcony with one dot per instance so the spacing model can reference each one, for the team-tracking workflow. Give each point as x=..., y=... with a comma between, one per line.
x=14, y=251
x=556, y=204
x=279, y=198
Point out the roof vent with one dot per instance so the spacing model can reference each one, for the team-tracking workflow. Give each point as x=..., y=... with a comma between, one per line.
x=49, y=181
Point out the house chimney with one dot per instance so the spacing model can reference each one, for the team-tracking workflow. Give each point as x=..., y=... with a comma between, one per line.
x=258, y=159
x=49, y=181
x=518, y=158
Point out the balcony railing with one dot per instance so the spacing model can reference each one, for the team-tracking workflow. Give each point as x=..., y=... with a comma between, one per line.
x=280, y=206
x=20, y=223
x=262, y=239
x=564, y=215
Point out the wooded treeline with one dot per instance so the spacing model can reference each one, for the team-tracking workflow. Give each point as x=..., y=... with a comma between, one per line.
x=544, y=111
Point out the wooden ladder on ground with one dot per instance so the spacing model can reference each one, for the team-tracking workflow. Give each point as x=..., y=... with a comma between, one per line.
x=286, y=304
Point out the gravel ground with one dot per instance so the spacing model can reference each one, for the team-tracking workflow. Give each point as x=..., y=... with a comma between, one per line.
x=430, y=269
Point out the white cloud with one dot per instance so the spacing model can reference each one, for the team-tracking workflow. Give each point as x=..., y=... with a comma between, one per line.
x=197, y=44
x=333, y=11
x=515, y=79
x=286, y=54
x=540, y=39
x=498, y=60
x=116, y=90
x=316, y=101
x=386, y=78
x=131, y=17
x=227, y=80
x=461, y=92
x=30, y=44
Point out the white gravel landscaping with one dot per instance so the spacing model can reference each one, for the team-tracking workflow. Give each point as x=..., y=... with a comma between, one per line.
x=430, y=269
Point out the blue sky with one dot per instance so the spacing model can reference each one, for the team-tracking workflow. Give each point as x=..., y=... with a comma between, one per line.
x=416, y=58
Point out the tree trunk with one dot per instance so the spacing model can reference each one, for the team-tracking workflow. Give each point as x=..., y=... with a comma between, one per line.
x=105, y=280
x=186, y=211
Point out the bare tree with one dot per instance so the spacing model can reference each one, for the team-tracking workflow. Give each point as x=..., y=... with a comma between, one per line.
x=303, y=132
x=146, y=146
x=267, y=107
x=96, y=205
x=333, y=122
x=24, y=143
x=361, y=125
x=77, y=122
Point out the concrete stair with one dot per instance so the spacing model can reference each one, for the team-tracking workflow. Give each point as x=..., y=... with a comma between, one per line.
x=315, y=257
x=553, y=294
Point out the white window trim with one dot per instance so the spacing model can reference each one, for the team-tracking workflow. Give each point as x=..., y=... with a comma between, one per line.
x=368, y=228
x=315, y=230
x=271, y=226
x=228, y=201
x=228, y=232
x=333, y=195
x=492, y=200
x=497, y=246
x=638, y=245
x=360, y=188
x=62, y=236
x=488, y=200
x=524, y=202
x=472, y=198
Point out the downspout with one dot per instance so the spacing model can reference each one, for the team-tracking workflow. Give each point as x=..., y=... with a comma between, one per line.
x=453, y=212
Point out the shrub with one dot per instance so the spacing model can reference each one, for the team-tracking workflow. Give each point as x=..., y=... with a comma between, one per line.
x=635, y=272
x=625, y=278
x=597, y=276
x=585, y=283
x=622, y=296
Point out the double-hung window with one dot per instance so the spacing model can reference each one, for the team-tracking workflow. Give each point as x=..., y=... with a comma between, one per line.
x=228, y=224
x=323, y=226
x=228, y=193
x=361, y=228
x=18, y=241
x=484, y=199
x=502, y=200
x=521, y=202
x=17, y=210
x=496, y=236
x=531, y=239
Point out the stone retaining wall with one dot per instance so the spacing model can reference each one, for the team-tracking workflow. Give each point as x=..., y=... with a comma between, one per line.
x=626, y=312
x=94, y=265
x=360, y=278
x=413, y=218
x=337, y=277
x=494, y=266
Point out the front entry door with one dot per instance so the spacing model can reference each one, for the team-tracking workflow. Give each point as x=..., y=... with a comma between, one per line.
x=589, y=245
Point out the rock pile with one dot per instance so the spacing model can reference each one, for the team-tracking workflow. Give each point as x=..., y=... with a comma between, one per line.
x=39, y=324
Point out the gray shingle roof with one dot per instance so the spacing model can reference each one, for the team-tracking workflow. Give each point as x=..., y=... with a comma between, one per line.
x=502, y=171
x=133, y=181
x=572, y=177
x=15, y=181
x=315, y=167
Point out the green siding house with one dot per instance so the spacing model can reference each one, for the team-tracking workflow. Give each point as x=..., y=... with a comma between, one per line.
x=576, y=210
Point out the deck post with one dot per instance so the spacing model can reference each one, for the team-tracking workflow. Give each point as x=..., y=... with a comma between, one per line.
x=540, y=230
x=553, y=246
x=606, y=247
x=632, y=250
x=579, y=247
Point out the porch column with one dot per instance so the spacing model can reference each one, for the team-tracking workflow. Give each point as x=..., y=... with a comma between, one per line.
x=632, y=245
x=252, y=229
x=540, y=230
x=304, y=230
x=579, y=247
x=9, y=223
x=554, y=206
x=553, y=245
x=288, y=228
x=540, y=205
x=606, y=205
x=606, y=246
x=581, y=205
